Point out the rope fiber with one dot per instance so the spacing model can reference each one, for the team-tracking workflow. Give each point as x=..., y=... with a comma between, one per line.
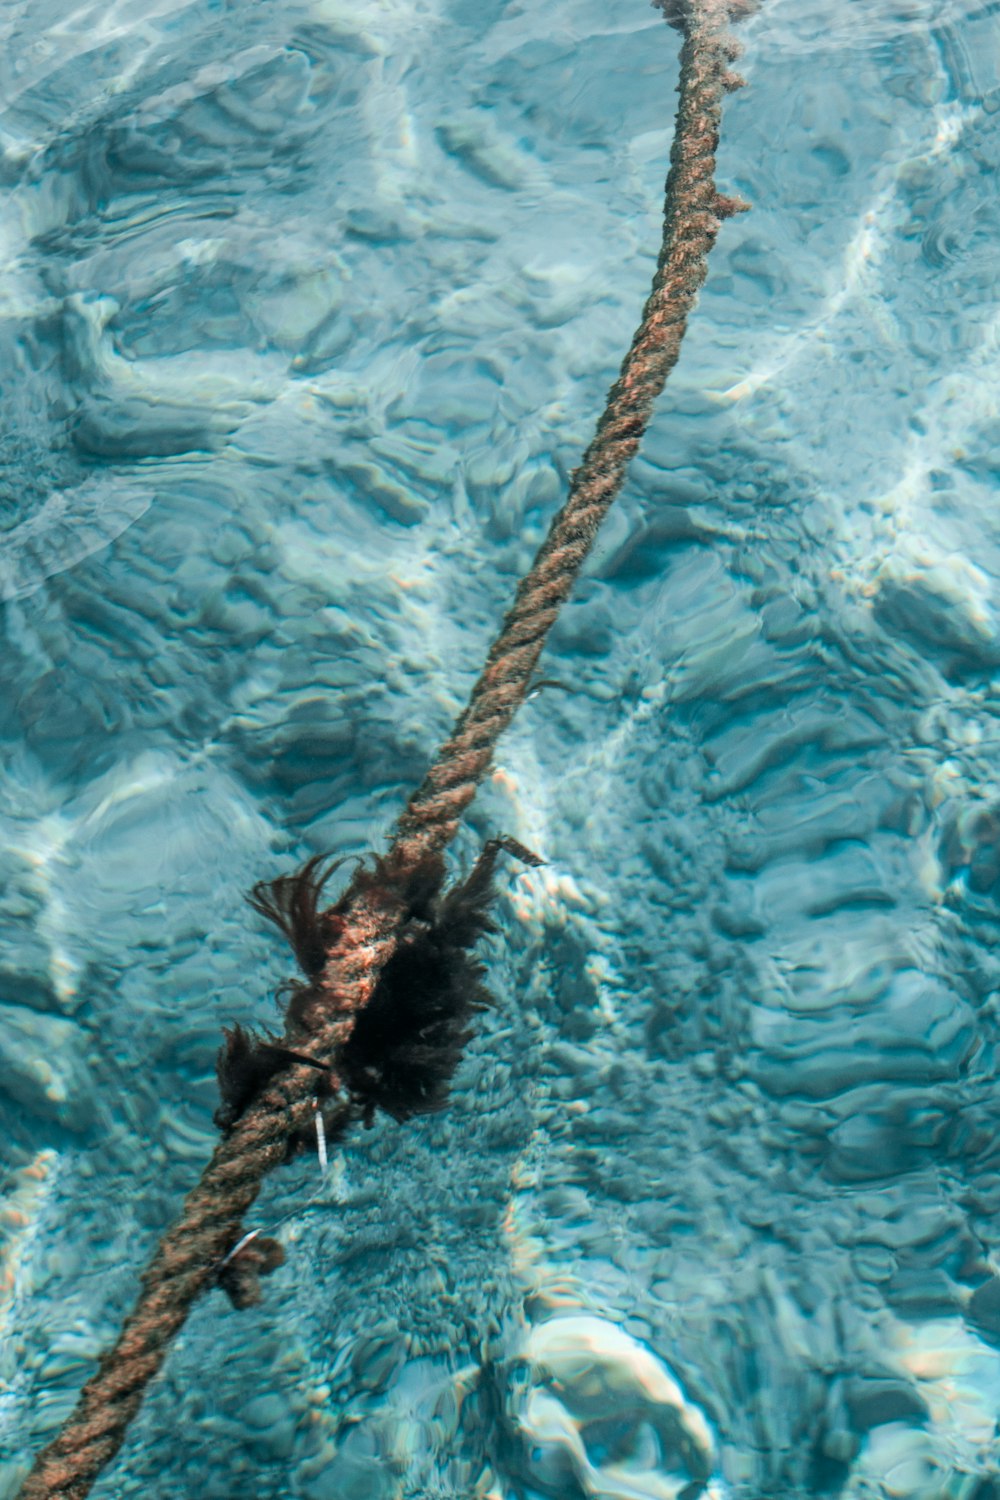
x=187, y=1261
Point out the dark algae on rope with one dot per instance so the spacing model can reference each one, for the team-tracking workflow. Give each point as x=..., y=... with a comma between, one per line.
x=409, y=1039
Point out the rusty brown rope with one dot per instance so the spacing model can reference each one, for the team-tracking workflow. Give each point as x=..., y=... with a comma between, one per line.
x=187, y=1260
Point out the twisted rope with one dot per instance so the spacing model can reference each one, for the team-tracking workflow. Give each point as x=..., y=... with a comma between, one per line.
x=187, y=1260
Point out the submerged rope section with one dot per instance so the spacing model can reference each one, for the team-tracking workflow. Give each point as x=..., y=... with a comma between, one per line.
x=188, y=1259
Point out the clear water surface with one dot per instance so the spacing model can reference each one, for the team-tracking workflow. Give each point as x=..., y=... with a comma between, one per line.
x=308, y=308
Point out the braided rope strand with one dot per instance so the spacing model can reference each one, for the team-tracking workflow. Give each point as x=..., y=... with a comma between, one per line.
x=693, y=214
x=187, y=1260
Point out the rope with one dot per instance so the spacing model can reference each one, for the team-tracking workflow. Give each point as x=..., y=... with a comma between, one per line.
x=187, y=1260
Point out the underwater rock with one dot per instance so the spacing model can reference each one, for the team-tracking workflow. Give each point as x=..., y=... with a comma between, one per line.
x=44, y=1066
x=969, y=853
x=915, y=1031
x=25, y=977
x=360, y=1469
x=69, y=525
x=937, y=608
x=132, y=427
x=498, y=161
x=272, y=1423
x=26, y=1193
x=598, y=1414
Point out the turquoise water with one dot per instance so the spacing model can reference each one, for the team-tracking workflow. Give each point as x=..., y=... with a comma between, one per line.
x=308, y=311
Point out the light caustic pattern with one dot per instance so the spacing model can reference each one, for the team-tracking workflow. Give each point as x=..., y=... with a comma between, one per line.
x=307, y=311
